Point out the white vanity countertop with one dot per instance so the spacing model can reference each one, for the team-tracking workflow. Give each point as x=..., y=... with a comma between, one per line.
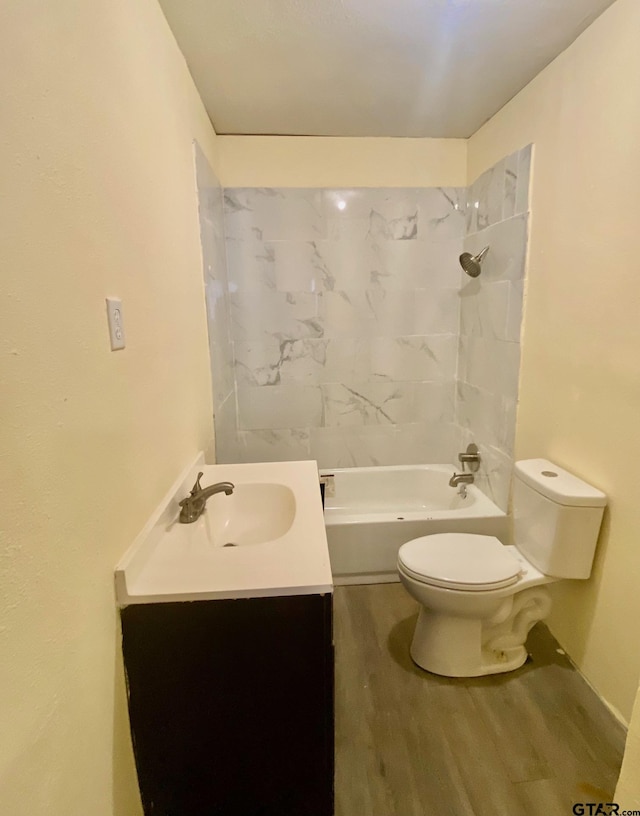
x=170, y=561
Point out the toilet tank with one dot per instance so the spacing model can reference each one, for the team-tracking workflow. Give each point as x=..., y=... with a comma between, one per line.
x=556, y=518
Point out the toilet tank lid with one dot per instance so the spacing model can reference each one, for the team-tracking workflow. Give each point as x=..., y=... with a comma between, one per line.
x=558, y=485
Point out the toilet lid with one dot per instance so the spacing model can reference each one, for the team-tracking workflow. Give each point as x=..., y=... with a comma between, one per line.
x=459, y=561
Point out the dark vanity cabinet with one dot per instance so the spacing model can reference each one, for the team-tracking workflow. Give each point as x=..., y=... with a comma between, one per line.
x=231, y=705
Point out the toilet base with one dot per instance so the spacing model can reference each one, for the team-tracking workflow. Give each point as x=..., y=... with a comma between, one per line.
x=454, y=646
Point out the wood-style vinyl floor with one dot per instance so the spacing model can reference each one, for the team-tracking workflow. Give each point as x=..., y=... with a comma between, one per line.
x=409, y=743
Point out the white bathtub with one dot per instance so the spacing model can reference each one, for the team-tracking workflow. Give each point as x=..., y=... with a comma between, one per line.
x=370, y=512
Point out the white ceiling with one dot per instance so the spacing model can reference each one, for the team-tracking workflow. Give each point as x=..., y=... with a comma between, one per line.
x=436, y=68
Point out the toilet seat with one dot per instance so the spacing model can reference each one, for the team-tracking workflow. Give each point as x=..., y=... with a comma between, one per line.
x=462, y=561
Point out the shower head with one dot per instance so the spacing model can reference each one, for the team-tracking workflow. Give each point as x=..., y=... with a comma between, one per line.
x=472, y=263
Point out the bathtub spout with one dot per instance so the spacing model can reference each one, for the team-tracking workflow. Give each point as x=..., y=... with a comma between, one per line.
x=461, y=478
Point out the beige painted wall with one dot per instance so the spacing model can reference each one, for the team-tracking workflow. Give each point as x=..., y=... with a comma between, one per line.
x=97, y=198
x=580, y=380
x=301, y=161
x=628, y=789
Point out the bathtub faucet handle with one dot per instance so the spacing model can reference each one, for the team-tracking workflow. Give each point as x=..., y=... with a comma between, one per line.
x=470, y=457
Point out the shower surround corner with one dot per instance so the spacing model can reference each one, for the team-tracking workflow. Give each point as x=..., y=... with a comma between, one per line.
x=343, y=329
x=491, y=318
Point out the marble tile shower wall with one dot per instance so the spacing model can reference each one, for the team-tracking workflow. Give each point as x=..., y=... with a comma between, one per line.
x=211, y=217
x=490, y=319
x=344, y=308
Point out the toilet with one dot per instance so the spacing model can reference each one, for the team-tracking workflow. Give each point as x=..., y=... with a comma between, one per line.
x=479, y=598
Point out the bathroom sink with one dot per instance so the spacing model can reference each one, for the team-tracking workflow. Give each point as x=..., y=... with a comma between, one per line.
x=252, y=514
x=266, y=538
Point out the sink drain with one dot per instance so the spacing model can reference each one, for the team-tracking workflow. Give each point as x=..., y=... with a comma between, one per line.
x=230, y=544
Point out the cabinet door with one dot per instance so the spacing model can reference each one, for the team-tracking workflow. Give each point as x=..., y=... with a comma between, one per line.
x=231, y=706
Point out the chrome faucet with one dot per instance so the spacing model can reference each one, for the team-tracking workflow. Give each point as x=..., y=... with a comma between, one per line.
x=193, y=506
x=461, y=478
x=470, y=458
